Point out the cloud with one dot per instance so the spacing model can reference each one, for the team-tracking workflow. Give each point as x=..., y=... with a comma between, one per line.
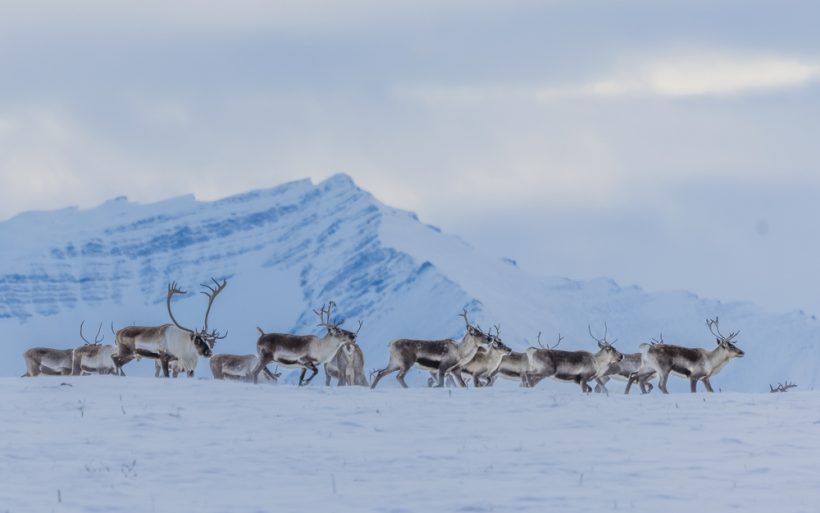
x=676, y=76
x=707, y=74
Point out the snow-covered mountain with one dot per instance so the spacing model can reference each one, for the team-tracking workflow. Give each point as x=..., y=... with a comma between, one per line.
x=288, y=249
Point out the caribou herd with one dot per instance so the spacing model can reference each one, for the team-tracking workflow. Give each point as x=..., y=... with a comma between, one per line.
x=480, y=356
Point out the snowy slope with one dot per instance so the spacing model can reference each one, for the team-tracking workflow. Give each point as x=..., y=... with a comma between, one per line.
x=288, y=249
x=139, y=445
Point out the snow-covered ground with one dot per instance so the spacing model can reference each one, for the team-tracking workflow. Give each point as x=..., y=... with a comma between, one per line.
x=142, y=445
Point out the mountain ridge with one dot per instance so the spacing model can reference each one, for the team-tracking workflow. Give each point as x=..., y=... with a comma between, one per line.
x=287, y=249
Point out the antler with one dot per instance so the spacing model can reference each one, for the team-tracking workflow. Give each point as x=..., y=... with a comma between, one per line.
x=497, y=330
x=657, y=341
x=324, y=316
x=97, y=338
x=601, y=341
x=172, y=291
x=464, y=314
x=212, y=293
x=560, y=338
x=359, y=328
x=714, y=326
x=781, y=387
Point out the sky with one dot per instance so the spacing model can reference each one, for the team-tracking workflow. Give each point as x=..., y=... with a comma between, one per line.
x=671, y=145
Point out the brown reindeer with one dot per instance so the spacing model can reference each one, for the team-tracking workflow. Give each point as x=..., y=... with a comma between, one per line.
x=170, y=342
x=577, y=366
x=442, y=356
x=93, y=357
x=238, y=367
x=303, y=351
x=695, y=364
x=49, y=362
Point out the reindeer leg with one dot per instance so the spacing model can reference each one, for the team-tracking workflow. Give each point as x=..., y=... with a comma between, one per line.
x=456, y=374
x=314, y=371
x=400, y=377
x=663, y=377
x=707, y=384
x=264, y=360
x=270, y=375
x=327, y=376
x=693, y=385
x=600, y=385
x=164, y=361
x=432, y=379
x=632, y=378
x=382, y=373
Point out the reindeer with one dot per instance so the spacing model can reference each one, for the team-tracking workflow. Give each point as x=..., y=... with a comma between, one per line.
x=443, y=356
x=515, y=365
x=577, y=366
x=484, y=365
x=94, y=357
x=696, y=364
x=303, y=351
x=624, y=369
x=238, y=367
x=47, y=361
x=171, y=342
x=347, y=366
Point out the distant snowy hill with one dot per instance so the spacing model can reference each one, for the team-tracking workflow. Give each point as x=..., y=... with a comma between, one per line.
x=288, y=249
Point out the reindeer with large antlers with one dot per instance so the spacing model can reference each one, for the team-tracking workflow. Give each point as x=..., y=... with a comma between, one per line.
x=171, y=342
x=441, y=356
x=577, y=366
x=695, y=364
x=305, y=352
x=94, y=357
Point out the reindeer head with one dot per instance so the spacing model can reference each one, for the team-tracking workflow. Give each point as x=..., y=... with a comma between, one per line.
x=334, y=329
x=607, y=349
x=497, y=344
x=482, y=340
x=724, y=343
x=203, y=339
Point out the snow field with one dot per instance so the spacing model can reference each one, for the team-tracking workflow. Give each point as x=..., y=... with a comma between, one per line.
x=133, y=444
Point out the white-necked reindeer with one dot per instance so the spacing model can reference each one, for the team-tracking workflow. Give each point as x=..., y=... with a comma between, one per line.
x=347, y=366
x=48, y=361
x=624, y=370
x=695, y=364
x=515, y=365
x=170, y=342
x=484, y=365
x=442, y=356
x=94, y=357
x=305, y=352
x=577, y=366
